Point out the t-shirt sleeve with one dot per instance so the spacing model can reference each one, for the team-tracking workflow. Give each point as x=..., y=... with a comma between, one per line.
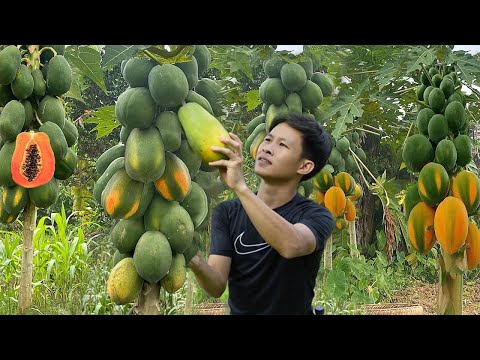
x=220, y=242
x=320, y=221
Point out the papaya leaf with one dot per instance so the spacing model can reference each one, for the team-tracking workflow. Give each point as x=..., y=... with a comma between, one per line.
x=231, y=96
x=291, y=57
x=468, y=66
x=105, y=119
x=348, y=108
x=176, y=54
x=87, y=60
x=386, y=103
x=385, y=75
x=253, y=99
x=442, y=52
x=241, y=62
x=264, y=51
x=75, y=91
x=115, y=54
x=217, y=64
x=419, y=55
x=332, y=110
x=341, y=124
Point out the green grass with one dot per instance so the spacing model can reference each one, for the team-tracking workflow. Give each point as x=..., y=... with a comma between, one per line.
x=354, y=281
x=71, y=266
x=70, y=269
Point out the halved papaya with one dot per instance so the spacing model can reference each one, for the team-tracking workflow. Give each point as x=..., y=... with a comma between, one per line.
x=33, y=161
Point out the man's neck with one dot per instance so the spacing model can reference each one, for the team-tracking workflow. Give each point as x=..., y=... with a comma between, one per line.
x=276, y=195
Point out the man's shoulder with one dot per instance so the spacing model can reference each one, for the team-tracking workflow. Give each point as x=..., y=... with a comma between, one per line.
x=308, y=205
x=228, y=210
x=301, y=200
x=227, y=205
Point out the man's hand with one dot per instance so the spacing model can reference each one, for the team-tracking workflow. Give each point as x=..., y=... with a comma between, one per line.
x=231, y=170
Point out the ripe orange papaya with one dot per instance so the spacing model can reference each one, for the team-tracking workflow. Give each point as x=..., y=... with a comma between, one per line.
x=451, y=224
x=421, y=227
x=473, y=246
x=350, y=211
x=335, y=201
x=33, y=161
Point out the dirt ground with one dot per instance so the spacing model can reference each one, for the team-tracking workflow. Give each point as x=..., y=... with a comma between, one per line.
x=425, y=294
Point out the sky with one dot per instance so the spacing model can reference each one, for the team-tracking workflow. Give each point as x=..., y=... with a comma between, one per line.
x=473, y=49
x=297, y=49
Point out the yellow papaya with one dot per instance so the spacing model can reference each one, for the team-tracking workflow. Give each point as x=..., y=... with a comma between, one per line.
x=203, y=131
x=451, y=224
x=473, y=246
x=335, y=201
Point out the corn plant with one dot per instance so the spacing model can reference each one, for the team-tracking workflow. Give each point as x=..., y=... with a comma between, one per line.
x=67, y=277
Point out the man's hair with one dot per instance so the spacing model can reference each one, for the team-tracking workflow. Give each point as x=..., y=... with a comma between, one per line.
x=317, y=142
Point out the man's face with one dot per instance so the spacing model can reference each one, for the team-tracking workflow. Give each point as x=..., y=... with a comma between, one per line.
x=279, y=155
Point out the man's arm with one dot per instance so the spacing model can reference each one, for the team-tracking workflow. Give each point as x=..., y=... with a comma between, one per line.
x=211, y=276
x=290, y=240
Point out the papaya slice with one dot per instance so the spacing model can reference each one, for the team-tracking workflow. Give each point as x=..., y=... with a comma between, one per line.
x=33, y=161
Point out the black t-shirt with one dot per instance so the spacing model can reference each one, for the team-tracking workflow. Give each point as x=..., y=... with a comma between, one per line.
x=261, y=281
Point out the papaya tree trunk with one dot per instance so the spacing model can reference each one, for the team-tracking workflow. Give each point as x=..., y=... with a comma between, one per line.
x=25, y=293
x=353, y=239
x=328, y=254
x=149, y=302
x=189, y=298
x=450, y=291
x=366, y=223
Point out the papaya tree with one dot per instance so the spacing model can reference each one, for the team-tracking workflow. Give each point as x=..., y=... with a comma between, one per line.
x=373, y=91
x=160, y=166
x=38, y=143
x=40, y=149
x=439, y=152
x=391, y=77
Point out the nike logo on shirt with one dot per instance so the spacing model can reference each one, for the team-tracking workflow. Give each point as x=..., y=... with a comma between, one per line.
x=245, y=249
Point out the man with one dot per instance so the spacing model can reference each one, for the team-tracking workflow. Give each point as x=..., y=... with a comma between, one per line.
x=268, y=245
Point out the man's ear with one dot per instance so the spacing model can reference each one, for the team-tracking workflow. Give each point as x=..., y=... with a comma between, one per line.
x=306, y=166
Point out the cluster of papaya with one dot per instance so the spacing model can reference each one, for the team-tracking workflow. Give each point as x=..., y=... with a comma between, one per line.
x=439, y=205
x=35, y=136
x=338, y=194
x=341, y=159
x=156, y=180
x=290, y=88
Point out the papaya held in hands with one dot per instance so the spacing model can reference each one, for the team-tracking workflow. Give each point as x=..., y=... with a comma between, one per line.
x=203, y=131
